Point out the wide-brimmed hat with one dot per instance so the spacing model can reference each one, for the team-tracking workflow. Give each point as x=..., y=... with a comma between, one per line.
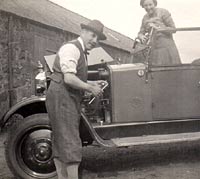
x=95, y=26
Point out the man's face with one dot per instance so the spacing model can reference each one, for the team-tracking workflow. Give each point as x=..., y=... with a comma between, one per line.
x=90, y=39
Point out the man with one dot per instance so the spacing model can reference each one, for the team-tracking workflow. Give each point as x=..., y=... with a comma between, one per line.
x=68, y=83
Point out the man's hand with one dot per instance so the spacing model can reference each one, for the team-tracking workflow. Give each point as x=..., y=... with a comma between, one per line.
x=95, y=89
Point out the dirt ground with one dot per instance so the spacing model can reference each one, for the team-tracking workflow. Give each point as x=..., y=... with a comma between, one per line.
x=174, y=161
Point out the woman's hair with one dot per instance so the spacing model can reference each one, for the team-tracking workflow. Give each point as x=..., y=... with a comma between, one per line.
x=142, y=2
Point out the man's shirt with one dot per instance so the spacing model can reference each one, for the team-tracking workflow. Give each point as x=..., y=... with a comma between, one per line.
x=69, y=55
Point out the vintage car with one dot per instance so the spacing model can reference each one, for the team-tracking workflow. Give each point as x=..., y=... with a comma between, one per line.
x=141, y=105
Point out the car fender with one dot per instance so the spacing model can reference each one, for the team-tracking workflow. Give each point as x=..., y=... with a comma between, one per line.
x=18, y=107
x=28, y=103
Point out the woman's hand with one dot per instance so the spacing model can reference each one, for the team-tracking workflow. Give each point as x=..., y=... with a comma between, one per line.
x=153, y=25
x=143, y=38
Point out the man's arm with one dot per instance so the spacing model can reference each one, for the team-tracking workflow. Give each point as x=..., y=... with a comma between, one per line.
x=72, y=80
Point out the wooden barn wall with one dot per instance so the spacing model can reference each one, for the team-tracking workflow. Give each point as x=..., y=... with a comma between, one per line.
x=22, y=44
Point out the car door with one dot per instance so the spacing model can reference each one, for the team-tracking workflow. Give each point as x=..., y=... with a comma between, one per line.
x=175, y=92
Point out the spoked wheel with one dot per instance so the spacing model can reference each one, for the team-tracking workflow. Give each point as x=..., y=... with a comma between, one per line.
x=28, y=148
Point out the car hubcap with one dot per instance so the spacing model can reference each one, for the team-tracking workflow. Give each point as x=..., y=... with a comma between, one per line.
x=35, y=154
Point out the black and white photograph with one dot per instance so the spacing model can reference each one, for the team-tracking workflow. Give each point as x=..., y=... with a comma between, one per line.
x=99, y=89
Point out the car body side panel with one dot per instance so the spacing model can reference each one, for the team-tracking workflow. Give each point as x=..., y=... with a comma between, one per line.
x=131, y=94
x=176, y=92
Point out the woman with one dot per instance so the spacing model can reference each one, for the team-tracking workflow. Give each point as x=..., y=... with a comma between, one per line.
x=164, y=51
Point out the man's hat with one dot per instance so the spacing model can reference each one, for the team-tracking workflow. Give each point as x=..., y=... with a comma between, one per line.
x=95, y=26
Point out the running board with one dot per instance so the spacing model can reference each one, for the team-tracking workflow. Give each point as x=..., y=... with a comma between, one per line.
x=93, y=133
x=156, y=139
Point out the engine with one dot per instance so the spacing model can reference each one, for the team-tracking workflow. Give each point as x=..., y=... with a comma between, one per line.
x=98, y=108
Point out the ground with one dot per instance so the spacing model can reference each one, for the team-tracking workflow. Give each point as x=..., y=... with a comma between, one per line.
x=174, y=161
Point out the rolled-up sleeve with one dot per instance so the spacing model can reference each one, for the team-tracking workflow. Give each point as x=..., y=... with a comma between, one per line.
x=69, y=55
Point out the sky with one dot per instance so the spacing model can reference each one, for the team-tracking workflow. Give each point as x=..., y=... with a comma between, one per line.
x=125, y=16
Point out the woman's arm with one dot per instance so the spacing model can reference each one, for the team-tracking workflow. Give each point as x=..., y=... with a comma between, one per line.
x=141, y=34
x=168, y=22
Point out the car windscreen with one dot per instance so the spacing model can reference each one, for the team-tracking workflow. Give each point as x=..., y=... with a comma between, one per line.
x=188, y=46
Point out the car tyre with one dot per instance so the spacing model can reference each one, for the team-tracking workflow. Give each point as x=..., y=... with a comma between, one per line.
x=28, y=148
